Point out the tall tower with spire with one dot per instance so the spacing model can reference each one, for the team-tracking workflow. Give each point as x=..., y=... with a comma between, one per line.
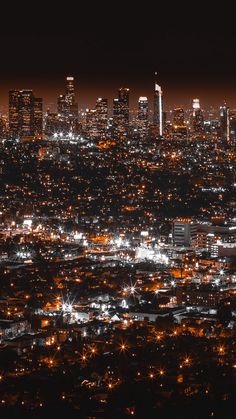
x=158, y=107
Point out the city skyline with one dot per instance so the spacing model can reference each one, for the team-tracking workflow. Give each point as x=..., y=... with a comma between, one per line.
x=174, y=97
x=117, y=211
x=191, y=52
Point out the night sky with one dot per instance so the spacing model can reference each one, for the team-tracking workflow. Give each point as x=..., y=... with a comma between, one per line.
x=104, y=47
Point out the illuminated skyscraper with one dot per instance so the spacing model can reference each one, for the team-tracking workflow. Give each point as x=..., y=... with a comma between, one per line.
x=70, y=90
x=178, y=117
x=123, y=96
x=116, y=111
x=121, y=111
x=66, y=104
x=197, y=119
x=178, y=126
x=14, y=112
x=143, y=109
x=25, y=113
x=101, y=114
x=196, y=104
x=91, y=123
x=158, y=108
x=62, y=105
x=233, y=125
x=38, y=116
x=143, y=114
x=225, y=122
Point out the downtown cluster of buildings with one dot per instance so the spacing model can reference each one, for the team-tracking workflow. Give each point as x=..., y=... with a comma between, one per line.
x=117, y=258
x=28, y=119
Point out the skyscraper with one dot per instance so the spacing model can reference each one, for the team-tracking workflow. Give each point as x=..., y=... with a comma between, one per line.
x=24, y=111
x=197, y=118
x=123, y=95
x=66, y=103
x=225, y=122
x=102, y=114
x=70, y=89
x=62, y=105
x=143, y=108
x=27, y=112
x=38, y=116
x=121, y=111
x=116, y=111
x=178, y=117
x=14, y=112
x=178, y=126
x=143, y=114
x=158, y=108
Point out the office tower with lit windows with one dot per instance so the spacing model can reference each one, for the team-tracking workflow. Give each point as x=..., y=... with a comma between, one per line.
x=62, y=105
x=25, y=113
x=116, y=112
x=184, y=232
x=158, y=108
x=121, y=111
x=178, y=117
x=70, y=89
x=123, y=95
x=225, y=123
x=91, y=123
x=3, y=125
x=66, y=103
x=197, y=117
x=178, y=124
x=143, y=109
x=232, y=124
x=38, y=116
x=143, y=114
x=101, y=114
x=14, y=112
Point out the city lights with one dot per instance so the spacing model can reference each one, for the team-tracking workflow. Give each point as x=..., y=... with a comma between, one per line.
x=117, y=215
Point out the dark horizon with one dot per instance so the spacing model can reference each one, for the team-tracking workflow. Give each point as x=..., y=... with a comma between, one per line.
x=192, y=53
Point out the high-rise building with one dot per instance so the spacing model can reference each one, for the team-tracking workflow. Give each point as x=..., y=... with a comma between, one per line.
x=38, y=116
x=143, y=114
x=143, y=109
x=123, y=95
x=178, y=124
x=66, y=103
x=101, y=114
x=233, y=125
x=197, y=117
x=225, y=122
x=14, y=112
x=62, y=106
x=178, y=117
x=3, y=125
x=25, y=113
x=184, y=232
x=158, y=108
x=91, y=123
x=121, y=111
x=196, y=104
x=70, y=90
